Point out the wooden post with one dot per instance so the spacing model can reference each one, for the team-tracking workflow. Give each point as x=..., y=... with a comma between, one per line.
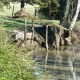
x=13, y=12
x=35, y=11
x=46, y=60
x=55, y=38
x=71, y=36
x=72, y=68
x=47, y=38
x=25, y=31
x=32, y=31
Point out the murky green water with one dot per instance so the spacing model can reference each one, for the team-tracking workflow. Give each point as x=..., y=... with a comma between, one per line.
x=63, y=64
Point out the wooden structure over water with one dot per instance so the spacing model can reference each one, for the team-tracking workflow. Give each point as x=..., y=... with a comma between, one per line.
x=23, y=14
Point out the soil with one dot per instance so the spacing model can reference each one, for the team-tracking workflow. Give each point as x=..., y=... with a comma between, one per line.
x=76, y=34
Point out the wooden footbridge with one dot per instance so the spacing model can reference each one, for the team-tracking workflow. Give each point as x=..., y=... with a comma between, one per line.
x=23, y=14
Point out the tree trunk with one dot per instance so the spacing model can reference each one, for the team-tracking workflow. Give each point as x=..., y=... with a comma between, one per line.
x=64, y=12
x=32, y=31
x=22, y=4
x=47, y=38
x=69, y=39
x=76, y=15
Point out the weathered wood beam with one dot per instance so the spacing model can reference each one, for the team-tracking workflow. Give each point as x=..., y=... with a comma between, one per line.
x=32, y=31
x=56, y=25
x=27, y=17
x=47, y=38
x=13, y=12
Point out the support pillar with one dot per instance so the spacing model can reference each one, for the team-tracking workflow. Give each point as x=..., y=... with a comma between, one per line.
x=13, y=12
x=47, y=38
x=32, y=31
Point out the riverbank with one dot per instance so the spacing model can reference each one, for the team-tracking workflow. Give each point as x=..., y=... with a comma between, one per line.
x=14, y=63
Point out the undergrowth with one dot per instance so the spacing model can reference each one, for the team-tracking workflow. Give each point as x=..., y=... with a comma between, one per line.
x=14, y=64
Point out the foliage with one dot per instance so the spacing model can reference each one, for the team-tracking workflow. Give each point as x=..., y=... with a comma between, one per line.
x=32, y=1
x=56, y=9
x=49, y=8
x=14, y=64
x=64, y=10
x=22, y=3
x=14, y=0
x=4, y=3
x=73, y=6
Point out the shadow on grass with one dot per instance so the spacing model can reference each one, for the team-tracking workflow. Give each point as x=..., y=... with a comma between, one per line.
x=13, y=25
x=10, y=23
x=18, y=23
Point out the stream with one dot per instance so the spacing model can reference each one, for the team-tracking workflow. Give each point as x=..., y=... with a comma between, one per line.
x=62, y=64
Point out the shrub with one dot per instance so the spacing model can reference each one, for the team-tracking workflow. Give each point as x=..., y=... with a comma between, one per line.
x=13, y=62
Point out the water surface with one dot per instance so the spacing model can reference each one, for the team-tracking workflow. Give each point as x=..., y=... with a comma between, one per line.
x=63, y=64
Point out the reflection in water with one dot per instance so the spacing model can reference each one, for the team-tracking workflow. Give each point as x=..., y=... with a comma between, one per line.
x=46, y=60
x=72, y=64
x=63, y=64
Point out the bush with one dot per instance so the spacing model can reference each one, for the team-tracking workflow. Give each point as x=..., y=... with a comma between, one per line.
x=13, y=62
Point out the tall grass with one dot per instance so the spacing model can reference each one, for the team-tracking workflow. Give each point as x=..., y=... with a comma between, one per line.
x=14, y=64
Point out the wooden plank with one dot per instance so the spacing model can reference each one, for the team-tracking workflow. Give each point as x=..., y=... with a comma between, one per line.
x=47, y=38
x=56, y=25
x=32, y=31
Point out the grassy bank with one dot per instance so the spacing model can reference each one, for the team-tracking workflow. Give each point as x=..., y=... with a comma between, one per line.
x=14, y=64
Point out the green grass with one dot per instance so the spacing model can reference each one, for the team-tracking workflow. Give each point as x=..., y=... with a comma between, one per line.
x=8, y=12
x=10, y=23
x=14, y=63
